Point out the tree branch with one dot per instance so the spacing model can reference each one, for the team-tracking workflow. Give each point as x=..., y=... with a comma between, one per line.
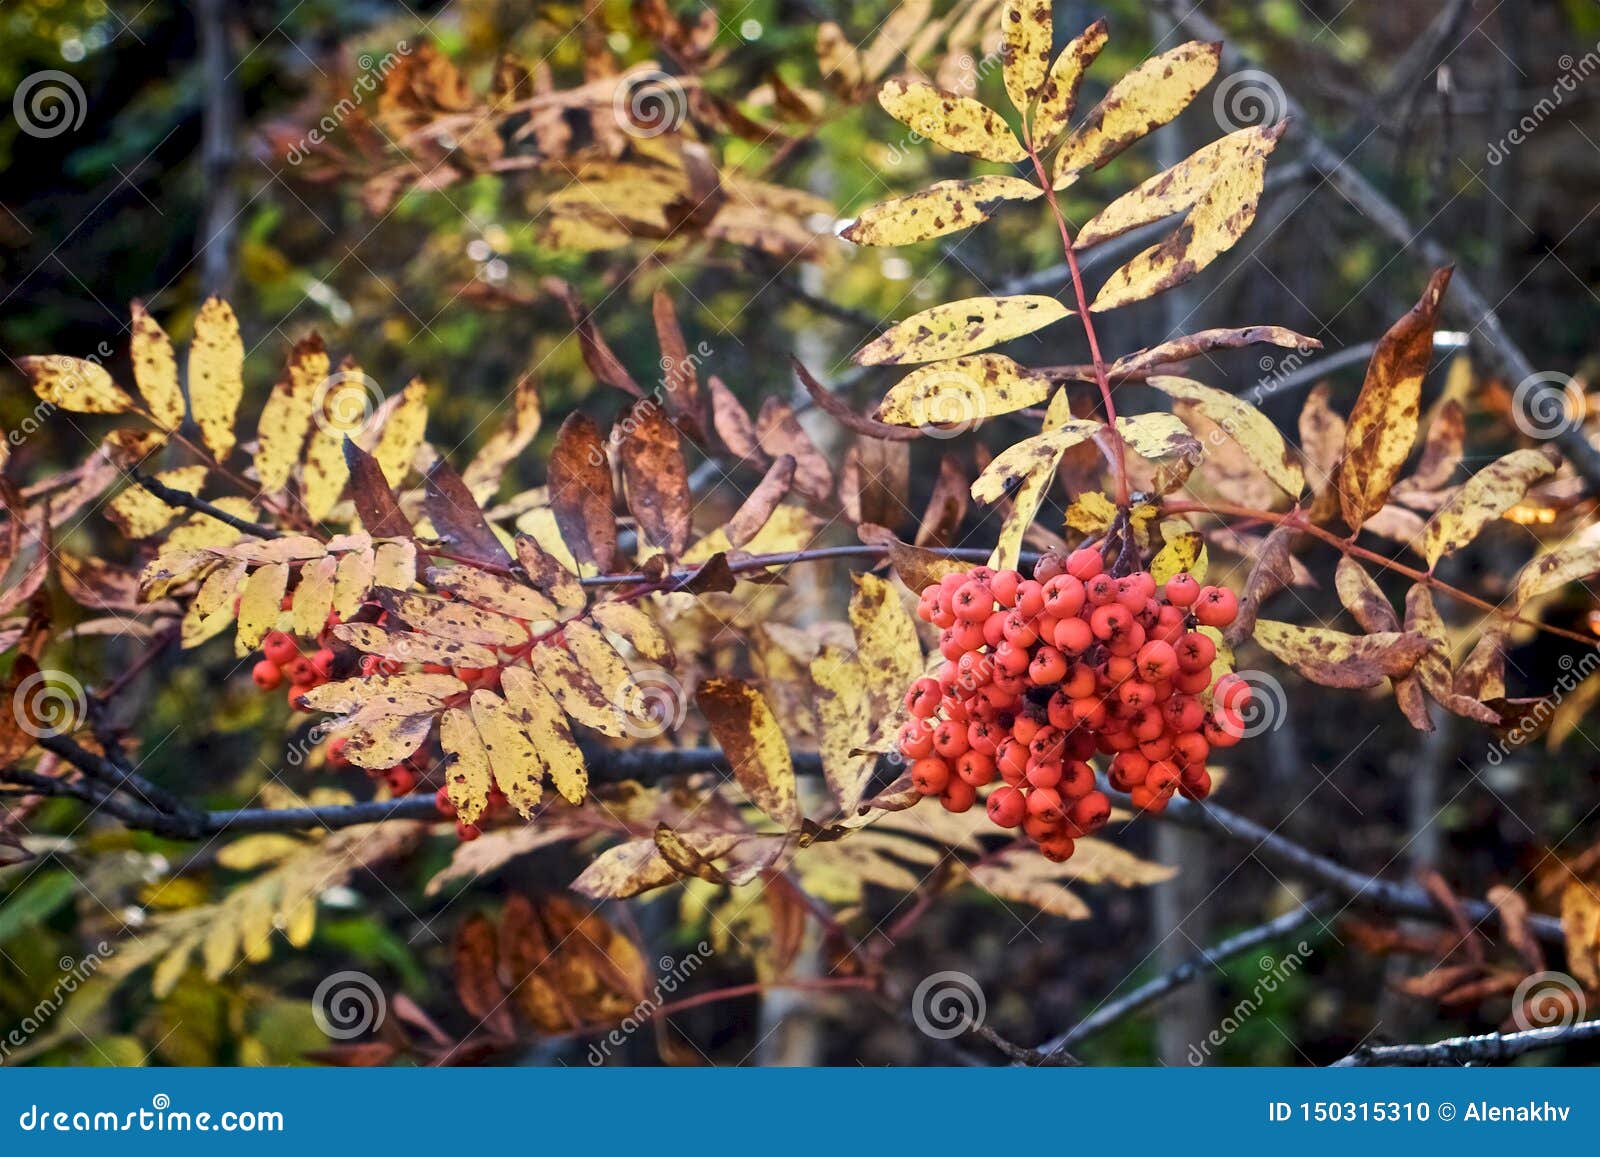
x=185, y=501
x=1114, y=1010
x=1490, y=1048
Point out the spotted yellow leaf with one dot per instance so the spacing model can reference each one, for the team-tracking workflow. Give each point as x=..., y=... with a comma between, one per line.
x=1020, y=461
x=945, y=207
x=958, y=123
x=1484, y=497
x=139, y=514
x=1026, y=29
x=403, y=428
x=155, y=369
x=961, y=327
x=962, y=391
x=82, y=387
x=542, y=718
x=748, y=732
x=844, y=720
x=281, y=432
x=1254, y=432
x=1058, y=97
x=513, y=757
x=467, y=776
x=1144, y=99
x=1336, y=659
x=260, y=603
x=216, y=374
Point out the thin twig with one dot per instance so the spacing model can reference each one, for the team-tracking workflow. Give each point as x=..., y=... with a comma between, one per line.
x=179, y=498
x=1489, y=1048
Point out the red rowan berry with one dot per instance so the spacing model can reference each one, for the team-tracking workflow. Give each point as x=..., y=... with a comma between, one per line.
x=1091, y=812
x=1107, y=622
x=1079, y=681
x=1192, y=682
x=1182, y=590
x=1007, y=806
x=443, y=804
x=973, y=602
x=1048, y=667
x=300, y=670
x=930, y=776
x=1157, y=661
x=922, y=700
x=1127, y=643
x=1073, y=636
x=1195, y=652
x=1057, y=849
x=957, y=796
x=295, y=691
x=401, y=779
x=1084, y=564
x=1100, y=591
x=1077, y=779
x=1197, y=786
x=1046, y=803
x=1233, y=693
x=266, y=675
x=1038, y=828
x=976, y=768
x=1004, y=587
x=1012, y=761
x=466, y=833
x=279, y=648
x=1030, y=598
x=322, y=663
x=1216, y=607
x=336, y=756
x=950, y=739
x=1063, y=596
x=916, y=739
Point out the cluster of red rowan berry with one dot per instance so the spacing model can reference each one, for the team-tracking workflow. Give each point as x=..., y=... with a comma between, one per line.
x=1043, y=673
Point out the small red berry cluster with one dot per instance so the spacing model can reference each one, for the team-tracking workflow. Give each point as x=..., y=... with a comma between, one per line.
x=1042, y=674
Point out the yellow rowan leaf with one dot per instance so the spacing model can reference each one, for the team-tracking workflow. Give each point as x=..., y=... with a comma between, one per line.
x=384, y=694
x=313, y=598
x=73, y=384
x=1091, y=513
x=513, y=757
x=380, y=740
x=1363, y=598
x=1030, y=880
x=1144, y=99
x=1575, y=559
x=886, y=642
x=1580, y=926
x=216, y=374
x=281, y=431
x=1156, y=436
x=1174, y=190
x=962, y=392
x=638, y=629
x=547, y=572
x=958, y=123
x=961, y=327
x=211, y=609
x=1058, y=98
x=201, y=530
x=600, y=660
x=1040, y=453
x=1213, y=226
x=402, y=432
x=408, y=647
x=748, y=732
x=1254, y=432
x=1027, y=29
x=139, y=514
x=1184, y=552
x=578, y=692
x=452, y=620
x=1336, y=659
x=155, y=369
x=1383, y=424
x=1484, y=497
x=494, y=592
x=844, y=720
x=394, y=564
x=1026, y=500
x=466, y=764
x=341, y=411
x=352, y=581
x=258, y=851
x=541, y=717
x=488, y=465
x=945, y=207
x=260, y=603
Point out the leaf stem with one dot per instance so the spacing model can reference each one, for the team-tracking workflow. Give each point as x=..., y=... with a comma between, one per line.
x=1101, y=378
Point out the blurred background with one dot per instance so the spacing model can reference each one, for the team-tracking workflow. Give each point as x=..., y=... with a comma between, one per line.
x=175, y=150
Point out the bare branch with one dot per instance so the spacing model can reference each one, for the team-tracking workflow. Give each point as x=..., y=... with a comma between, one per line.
x=1490, y=1048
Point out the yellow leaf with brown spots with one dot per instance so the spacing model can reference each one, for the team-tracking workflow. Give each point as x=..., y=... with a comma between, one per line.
x=961, y=327
x=260, y=604
x=313, y=598
x=402, y=432
x=1176, y=189
x=211, y=610
x=72, y=384
x=155, y=369
x=844, y=719
x=216, y=374
x=748, y=732
x=1335, y=659
x=513, y=757
x=1580, y=925
x=576, y=689
x=541, y=717
x=945, y=207
x=467, y=776
x=281, y=432
x=958, y=123
x=139, y=514
x=384, y=740
x=341, y=410
x=1213, y=226
x=1254, y=432
x=1156, y=436
x=1019, y=462
x=886, y=642
x=1383, y=424
x=383, y=694
x=1058, y=96
x=492, y=591
x=636, y=628
x=1485, y=496
x=451, y=620
x=962, y=392
x=1027, y=31
x=352, y=581
x=408, y=647
x=1575, y=559
x=1143, y=100
x=1184, y=553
